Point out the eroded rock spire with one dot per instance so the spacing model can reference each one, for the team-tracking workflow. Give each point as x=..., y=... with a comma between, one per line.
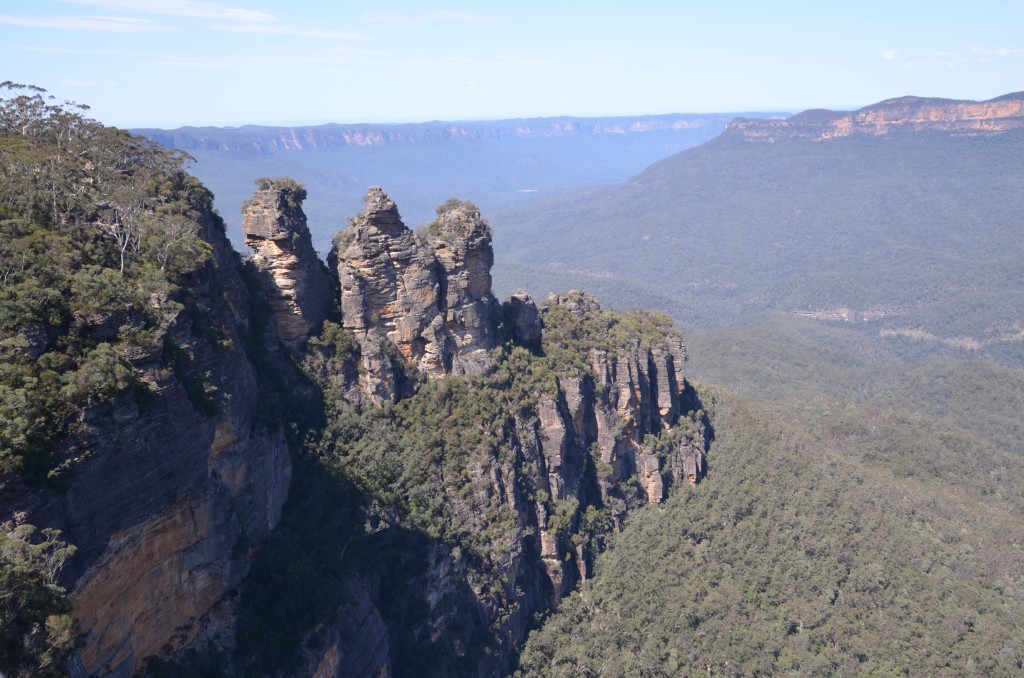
x=415, y=303
x=298, y=283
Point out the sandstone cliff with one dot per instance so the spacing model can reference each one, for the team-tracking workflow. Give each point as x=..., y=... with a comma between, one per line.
x=415, y=304
x=167, y=495
x=477, y=454
x=905, y=114
x=296, y=281
x=609, y=430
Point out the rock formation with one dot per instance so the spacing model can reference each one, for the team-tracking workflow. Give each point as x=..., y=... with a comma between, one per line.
x=913, y=114
x=297, y=283
x=607, y=435
x=522, y=318
x=415, y=304
x=635, y=391
x=461, y=242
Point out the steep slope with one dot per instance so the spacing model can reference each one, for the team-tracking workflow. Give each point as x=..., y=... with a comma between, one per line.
x=131, y=417
x=913, y=114
x=494, y=448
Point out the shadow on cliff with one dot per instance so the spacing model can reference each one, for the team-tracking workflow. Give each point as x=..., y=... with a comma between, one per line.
x=326, y=557
x=689, y=401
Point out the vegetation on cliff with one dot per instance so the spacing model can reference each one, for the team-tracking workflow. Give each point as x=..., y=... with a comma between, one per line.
x=121, y=319
x=36, y=631
x=98, y=233
x=445, y=478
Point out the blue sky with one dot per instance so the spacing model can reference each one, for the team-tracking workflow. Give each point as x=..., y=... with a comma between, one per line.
x=165, y=63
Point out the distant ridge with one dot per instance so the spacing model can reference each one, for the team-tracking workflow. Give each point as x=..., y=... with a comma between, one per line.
x=494, y=162
x=274, y=139
x=908, y=113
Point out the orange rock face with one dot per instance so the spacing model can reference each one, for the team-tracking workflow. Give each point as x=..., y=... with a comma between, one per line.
x=911, y=114
x=421, y=303
x=297, y=283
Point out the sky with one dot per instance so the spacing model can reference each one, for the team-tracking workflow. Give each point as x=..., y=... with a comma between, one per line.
x=169, y=63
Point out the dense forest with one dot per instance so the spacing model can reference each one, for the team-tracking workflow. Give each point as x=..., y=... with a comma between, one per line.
x=830, y=540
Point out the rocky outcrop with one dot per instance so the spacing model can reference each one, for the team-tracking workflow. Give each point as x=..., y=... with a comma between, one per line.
x=297, y=283
x=631, y=414
x=522, y=319
x=461, y=243
x=905, y=114
x=415, y=304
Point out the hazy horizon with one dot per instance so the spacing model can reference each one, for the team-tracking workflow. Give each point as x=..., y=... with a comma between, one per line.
x=173, y=63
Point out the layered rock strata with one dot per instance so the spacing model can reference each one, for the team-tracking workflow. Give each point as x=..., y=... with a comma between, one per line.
x=297, y=283
x=461, y=244
x=627, y=418
x=414, y=303
x=911, y=114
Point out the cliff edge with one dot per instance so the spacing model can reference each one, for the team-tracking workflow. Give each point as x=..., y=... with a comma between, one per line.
x=903, y=114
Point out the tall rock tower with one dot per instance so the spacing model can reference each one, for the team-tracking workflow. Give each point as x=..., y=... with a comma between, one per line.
x=298, y=284
x=415, y=303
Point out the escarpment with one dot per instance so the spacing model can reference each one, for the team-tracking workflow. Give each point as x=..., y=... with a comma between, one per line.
x=905, y=114
x=463, y=461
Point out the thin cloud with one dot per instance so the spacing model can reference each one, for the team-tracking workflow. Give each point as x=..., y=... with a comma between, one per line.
x=405, y=19
x=890, y=54
x=213, y=16
x=112, y=24
x=463, y=17
x=202, y=61
x=182, y=8
x=986, y=53
x=297, y=31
